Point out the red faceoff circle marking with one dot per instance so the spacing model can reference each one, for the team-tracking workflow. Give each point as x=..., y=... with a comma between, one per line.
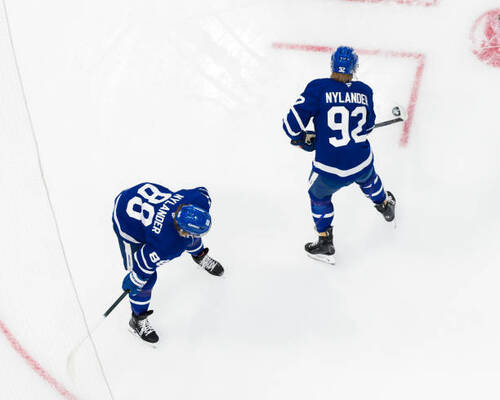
x=485, y=37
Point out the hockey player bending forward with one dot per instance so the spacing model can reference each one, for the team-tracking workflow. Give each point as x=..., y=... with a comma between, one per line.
x=343, y=116
x=155, y=225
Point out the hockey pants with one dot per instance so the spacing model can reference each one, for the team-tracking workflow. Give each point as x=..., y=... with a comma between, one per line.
x=322, y=187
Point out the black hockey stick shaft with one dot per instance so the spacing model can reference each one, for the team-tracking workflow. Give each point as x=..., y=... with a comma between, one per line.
x=389, y=122
x=118, y=300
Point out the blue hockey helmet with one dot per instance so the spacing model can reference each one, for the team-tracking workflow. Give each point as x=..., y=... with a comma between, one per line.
x=344, y=60
x=193, y=220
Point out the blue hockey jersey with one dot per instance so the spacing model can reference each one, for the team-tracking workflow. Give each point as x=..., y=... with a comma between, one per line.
x=343, y=116
x=143, y=216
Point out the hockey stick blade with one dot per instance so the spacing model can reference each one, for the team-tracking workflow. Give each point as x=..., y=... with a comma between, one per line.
x=70, y=360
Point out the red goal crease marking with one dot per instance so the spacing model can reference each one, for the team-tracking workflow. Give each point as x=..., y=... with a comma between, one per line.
x=425, y=3
x=420, y=58
x=34, y=364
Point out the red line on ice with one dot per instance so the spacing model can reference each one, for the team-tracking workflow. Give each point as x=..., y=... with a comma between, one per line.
x=425, y=3
x=34, y=364
x=413, y=99
x=420, y=58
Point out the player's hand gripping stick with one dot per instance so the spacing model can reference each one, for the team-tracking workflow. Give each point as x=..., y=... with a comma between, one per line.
x=306, y=141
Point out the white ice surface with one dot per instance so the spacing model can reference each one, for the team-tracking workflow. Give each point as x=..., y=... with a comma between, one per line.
x=192, y=93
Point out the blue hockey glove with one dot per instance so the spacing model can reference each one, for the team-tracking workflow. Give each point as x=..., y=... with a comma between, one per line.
x=130, y=284
x=306, y=141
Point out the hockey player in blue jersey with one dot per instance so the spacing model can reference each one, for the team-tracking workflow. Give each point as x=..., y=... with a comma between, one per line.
x=343, y=116
x=154, y=225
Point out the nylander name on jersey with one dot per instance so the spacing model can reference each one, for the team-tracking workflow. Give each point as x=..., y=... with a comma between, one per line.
x=343, y=116
x=143, y=217
x=163, y=212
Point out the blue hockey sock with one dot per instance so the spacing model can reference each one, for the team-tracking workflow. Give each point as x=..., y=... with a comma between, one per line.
x=322, y=212
x=140, y=302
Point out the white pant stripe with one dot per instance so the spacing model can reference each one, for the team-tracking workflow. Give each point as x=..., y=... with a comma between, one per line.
x=378, y=191
x=314, y=176
x=323, y=216
x=195, y=250
x=139, y=303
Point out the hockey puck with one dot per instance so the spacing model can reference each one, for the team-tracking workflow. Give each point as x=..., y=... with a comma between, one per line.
x=396, y=111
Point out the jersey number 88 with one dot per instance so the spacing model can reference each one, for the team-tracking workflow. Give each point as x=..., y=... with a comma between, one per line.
x=144, y=211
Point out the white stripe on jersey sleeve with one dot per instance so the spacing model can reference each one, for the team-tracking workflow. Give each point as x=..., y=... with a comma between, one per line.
x=144, y=259
x=135, y=279
x=288, y=129
x=139, y=265
x=299, y=121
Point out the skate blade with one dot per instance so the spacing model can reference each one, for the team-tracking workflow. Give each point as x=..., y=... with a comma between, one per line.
x=134, y=333
x=323, y=258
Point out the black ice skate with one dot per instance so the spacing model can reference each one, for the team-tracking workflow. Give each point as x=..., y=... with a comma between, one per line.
x=209, y=264
x=388, y=207
x=140, y=325
x=323, y=249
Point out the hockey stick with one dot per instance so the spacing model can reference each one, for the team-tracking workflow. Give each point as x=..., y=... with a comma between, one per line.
x=400, y=114
x=118, y=300
x=397, y=111
x=70, y=364
x=388, y=122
